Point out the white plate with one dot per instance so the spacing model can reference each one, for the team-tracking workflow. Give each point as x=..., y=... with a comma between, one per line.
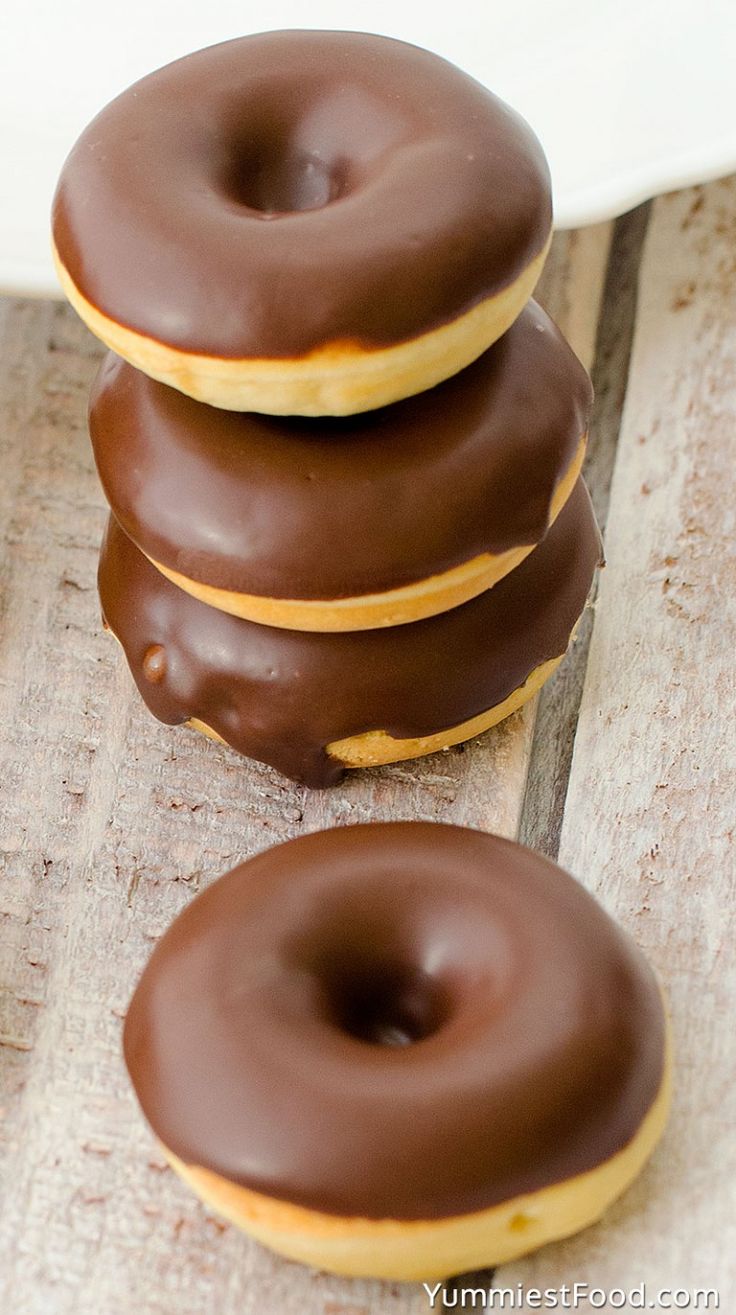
x=630, y=97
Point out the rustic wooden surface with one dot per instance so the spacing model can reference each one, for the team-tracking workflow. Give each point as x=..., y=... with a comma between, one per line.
x=650, y=812
x=110, y=822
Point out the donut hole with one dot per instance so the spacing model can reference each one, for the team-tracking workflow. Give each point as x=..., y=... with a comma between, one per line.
x=304, y=152
x=385, y=1004
x=275, y=182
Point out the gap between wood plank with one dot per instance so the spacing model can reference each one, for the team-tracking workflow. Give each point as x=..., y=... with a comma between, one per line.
x=559, y=702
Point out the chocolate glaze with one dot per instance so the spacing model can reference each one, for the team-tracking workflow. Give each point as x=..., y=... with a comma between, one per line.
x=272, y=194
x=292, y=508
x=400, y=1020
x=282, y=696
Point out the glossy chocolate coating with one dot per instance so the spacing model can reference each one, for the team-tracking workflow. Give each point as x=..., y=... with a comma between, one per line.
x=327, y=508
x=399, y=1020
x=273, y=194
x=282, y=696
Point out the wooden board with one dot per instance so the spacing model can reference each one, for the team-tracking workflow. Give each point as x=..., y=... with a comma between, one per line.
x=110, y=823
x=559, y=703
x=649, y=816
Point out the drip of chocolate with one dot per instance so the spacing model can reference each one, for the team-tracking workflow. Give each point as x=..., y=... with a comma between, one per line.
x=154, y=663
x=280, y=192
x=326, y=508
x=533, y=1029
x=283, y=696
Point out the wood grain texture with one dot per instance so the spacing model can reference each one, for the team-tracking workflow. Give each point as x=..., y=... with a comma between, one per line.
x=110, y=822
x=649, y=817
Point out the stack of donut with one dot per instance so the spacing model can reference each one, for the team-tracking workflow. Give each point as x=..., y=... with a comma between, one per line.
x=341, y=446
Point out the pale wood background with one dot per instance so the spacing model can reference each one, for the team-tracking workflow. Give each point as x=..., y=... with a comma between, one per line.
x=110, y=822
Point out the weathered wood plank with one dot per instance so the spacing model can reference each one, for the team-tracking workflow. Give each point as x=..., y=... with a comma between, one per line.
x=110, y=822
x=649, y=818
x=572, y=284
x=559, y=702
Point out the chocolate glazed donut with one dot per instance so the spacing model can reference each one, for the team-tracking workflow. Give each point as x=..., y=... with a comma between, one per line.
x=346, y=524
x=310, y=704
x=401, y=1049
x=303, y=222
